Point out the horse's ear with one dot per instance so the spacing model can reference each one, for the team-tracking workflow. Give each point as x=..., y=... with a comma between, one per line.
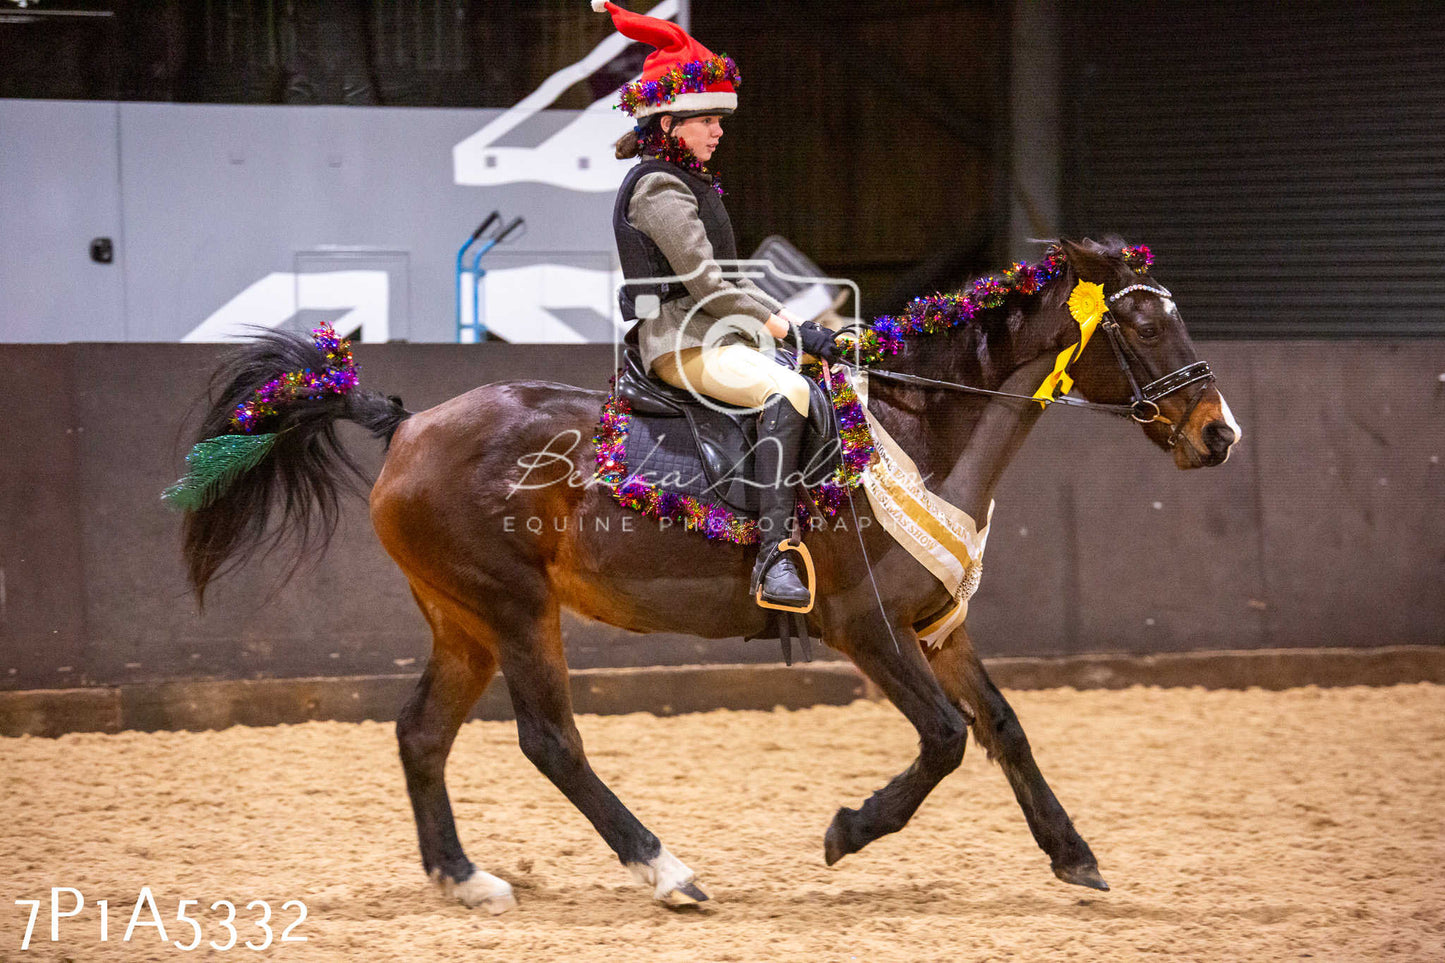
x=1090, y=260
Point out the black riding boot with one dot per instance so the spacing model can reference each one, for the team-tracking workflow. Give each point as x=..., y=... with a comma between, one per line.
x=780, y=440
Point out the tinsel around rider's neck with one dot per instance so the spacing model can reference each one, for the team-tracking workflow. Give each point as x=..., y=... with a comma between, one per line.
x=656, y=142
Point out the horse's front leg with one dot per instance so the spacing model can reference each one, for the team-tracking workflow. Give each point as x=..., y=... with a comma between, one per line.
x=903, y=675
x=997, y=729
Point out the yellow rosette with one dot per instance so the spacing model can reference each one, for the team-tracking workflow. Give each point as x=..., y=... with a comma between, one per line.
x=1087, y=305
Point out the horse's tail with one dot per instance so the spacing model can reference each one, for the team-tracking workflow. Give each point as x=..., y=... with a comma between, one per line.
x=288, y=493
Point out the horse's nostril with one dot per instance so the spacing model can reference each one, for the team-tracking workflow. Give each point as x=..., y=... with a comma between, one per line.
x=1218, y=436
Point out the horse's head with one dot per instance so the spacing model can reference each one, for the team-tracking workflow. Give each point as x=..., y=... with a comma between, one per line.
x=1142, y=356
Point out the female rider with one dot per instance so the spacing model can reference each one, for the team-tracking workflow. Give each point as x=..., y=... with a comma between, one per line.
x=703, y=333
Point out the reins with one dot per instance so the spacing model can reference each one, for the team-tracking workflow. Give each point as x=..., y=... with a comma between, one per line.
x=1144, y=409
x=1122, y=411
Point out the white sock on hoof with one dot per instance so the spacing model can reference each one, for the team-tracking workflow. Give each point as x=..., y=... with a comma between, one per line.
x=664, y=873
x=479, y=889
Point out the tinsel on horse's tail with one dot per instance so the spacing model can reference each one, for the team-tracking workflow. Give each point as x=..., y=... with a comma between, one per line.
x=268, y=466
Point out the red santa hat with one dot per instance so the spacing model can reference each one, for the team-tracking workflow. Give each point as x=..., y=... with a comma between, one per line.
x=681, y=76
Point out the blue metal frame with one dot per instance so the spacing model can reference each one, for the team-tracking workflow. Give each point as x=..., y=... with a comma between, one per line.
x=476, y=326
x=461, y=266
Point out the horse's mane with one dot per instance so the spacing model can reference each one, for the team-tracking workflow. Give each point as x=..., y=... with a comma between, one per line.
x=992, y=304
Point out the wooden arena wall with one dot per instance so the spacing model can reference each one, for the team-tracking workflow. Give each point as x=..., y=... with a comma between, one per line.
x=1323, y=530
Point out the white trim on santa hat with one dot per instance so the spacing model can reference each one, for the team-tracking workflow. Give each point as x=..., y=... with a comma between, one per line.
x=701, y=101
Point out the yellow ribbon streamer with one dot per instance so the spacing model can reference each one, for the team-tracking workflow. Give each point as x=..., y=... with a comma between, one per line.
x=1087, y=305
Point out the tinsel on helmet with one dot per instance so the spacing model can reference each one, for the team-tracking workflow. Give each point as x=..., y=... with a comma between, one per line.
x=652, y=139
x=336, y=377
x=934, y=313
x=689, y=78
x=716, y=521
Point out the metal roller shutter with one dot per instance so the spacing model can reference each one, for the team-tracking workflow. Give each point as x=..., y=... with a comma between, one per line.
x=1286, y=162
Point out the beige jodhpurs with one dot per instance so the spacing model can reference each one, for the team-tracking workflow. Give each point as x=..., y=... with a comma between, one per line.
x=733, y=373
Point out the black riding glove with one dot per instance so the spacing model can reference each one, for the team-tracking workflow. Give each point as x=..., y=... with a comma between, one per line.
x=819, y=341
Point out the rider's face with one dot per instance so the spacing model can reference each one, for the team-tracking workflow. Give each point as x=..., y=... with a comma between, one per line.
x=698, y=134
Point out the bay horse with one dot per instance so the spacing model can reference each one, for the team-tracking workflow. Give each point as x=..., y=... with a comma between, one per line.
x=448, y=509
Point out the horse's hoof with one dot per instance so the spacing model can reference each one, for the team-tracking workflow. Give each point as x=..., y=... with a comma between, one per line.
x=481, y=890
x=1084, y=875
x=688, y=894
x=836, y=841
x=671, y=881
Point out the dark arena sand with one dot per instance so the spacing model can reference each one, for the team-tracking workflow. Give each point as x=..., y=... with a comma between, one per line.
x=1253, y=826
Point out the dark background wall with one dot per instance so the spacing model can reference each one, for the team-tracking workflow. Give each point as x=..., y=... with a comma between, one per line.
x=1323, y=529
x=1287, y=158
x=873, y=135
x=1285, y=161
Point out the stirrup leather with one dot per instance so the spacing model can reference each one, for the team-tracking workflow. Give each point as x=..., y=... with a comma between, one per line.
x=789, y=546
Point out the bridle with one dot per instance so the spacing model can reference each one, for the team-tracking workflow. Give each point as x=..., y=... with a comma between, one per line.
x=1143, y=409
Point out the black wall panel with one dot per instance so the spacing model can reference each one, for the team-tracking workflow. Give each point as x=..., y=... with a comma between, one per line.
x=1286, y=161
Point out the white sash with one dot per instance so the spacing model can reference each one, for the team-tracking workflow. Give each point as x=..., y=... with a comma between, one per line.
x=944, y=539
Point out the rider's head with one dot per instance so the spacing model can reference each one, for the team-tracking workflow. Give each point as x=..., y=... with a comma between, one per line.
x=683, y=85
x=699, y=133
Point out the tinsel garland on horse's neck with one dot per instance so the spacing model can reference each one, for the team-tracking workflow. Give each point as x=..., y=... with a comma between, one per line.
x=975, y=344
x=931, y=314
x=973, y=337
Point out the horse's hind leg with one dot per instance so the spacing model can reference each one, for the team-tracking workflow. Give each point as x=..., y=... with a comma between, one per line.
x=997, y=729
x=535, y=668
x=455, y=676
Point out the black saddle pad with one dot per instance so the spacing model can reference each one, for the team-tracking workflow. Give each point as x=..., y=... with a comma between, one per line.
x=683, y=446
x=663, y=451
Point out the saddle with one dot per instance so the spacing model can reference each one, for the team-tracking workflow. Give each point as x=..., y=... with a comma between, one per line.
x=706, y=450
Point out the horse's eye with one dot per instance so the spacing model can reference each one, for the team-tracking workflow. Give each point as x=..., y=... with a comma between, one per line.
x=1147, y=330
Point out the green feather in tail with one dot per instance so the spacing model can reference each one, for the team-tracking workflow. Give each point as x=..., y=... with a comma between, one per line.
x=213, y=466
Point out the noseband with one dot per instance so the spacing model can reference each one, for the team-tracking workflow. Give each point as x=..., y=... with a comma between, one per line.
x=1144, y=408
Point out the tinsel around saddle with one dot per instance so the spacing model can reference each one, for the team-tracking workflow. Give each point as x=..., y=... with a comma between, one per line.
x=641, y=491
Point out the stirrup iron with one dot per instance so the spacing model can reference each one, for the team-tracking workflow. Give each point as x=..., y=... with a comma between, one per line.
x=787, y=545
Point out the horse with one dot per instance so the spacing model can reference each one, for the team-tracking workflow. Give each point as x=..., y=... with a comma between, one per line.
x=449, y=509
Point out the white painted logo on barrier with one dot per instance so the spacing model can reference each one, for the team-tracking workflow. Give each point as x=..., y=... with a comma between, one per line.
x=518, y=302
x=365, y=296
x=578, y=157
